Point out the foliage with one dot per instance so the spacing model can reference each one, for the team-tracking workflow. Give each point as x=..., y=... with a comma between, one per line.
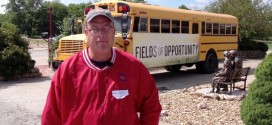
x=54, y=46
x=252, y=45
x=77, y=10
x=66, y=27
x=14, y=55
x=255, y=16
x=264, y=70
x=14, y=60
x=183, y=7
x=256, y=108
x=10, y=34
x=55, y=43
x=25, y=12
x=59, y=12
x=5, y=18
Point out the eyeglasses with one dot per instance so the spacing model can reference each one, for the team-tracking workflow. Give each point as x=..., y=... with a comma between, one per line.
x=96, y=30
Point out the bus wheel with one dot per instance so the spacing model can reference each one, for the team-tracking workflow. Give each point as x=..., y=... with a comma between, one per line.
x=173, y=68
x=55, y=65
x=209, y=65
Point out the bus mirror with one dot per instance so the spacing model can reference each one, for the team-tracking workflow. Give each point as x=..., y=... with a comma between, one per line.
x=124, y=25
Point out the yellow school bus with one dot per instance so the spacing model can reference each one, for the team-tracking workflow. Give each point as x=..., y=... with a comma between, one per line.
x=164, y=37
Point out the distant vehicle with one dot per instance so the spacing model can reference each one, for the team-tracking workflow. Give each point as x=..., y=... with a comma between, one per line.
x=163, y=37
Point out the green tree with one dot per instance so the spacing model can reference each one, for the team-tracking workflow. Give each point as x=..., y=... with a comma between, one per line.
x=24, y=12
x=254, y=16
x=183, y=7
x=77, y=10
x=5, y=18
x=59, y=12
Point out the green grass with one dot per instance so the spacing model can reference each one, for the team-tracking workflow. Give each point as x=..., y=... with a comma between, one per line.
x=268, y=42
x=270, y=46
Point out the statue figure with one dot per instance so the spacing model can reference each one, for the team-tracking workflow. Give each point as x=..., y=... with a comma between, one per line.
x=72, y=25
x=237, y=64
x=222, y=75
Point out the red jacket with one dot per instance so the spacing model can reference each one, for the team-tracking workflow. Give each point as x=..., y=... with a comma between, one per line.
x=83, y=94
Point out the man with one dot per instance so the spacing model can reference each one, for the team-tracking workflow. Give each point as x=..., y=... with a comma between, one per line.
x=222, y=75
x=101, y=84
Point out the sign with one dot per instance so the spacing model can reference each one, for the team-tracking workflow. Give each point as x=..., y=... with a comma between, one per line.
x=155, y=49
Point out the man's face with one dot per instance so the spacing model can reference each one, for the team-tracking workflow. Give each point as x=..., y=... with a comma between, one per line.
x=100, y=34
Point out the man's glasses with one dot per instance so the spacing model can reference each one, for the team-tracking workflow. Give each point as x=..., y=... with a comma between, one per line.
x=96, y=30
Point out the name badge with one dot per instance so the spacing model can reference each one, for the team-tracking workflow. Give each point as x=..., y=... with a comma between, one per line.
x=119, y=94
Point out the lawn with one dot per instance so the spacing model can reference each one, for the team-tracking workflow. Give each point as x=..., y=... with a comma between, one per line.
x=270, y=46
x=37, y=41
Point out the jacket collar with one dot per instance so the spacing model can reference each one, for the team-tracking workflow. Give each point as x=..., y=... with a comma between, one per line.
x=91, y=65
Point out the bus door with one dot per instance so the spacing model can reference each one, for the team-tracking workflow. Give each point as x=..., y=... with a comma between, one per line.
x=124, y=25
x=195, y=27
x=195, y=31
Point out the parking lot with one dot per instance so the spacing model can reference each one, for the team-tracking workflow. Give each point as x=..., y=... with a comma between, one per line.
x=22, y=101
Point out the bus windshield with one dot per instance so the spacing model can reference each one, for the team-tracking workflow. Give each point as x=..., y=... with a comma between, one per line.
x=117, y=24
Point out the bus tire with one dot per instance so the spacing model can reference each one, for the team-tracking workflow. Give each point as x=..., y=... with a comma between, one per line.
x=199, y=67
x=173, y=68
x=209, y=65
x=55, y=65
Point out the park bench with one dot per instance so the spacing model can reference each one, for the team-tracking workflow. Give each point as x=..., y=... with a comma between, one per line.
x=234, y=80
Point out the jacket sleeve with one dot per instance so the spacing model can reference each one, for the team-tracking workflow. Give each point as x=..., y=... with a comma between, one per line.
x=51, y=114
x=150, y=108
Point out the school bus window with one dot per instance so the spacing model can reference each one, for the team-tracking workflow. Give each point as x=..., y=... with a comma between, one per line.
x=195, y=28
x=143, y=25
x=208, y=28
x=228, y=28
x=175, y=26
x=184, y=26
x=155, y=25
x=222, y=28
x=215, y=28
x=117, y=24
x=104, y=7
x=165, y=27
x=136, y=24
x=203, y=28
x=233, y=29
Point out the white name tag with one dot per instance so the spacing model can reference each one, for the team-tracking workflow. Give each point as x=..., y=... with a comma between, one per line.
x=119, y=94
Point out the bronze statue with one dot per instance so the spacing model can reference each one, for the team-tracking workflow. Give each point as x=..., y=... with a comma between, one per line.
x=222, y=75
x=237, y=64
x=72, y=25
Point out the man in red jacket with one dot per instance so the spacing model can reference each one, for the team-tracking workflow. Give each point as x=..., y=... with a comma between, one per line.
x=102, y=85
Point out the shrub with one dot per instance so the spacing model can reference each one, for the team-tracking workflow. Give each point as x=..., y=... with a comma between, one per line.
x=56, y=41
x=256, y=108
x=11, y=36
x=14, y=61
x=252, y=45
x=261, y=46
x=3, y=42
